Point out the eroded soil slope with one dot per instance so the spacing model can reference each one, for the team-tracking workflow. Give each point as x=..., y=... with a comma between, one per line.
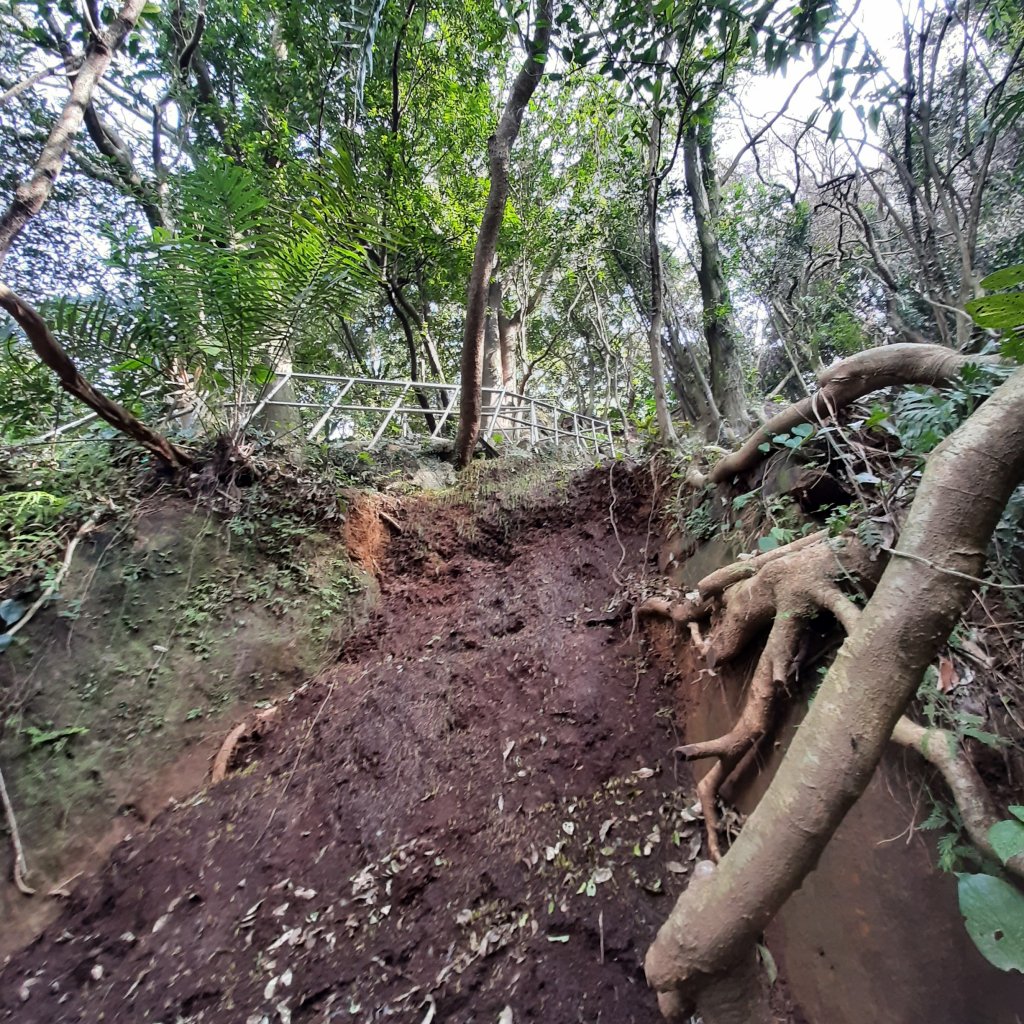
x=466, y=813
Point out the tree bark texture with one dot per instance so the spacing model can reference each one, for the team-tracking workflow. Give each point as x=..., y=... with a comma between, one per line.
x=964, y=489
x=499, y=150
x=702, y=187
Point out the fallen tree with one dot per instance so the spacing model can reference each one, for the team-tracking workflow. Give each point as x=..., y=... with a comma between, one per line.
x=707, y=944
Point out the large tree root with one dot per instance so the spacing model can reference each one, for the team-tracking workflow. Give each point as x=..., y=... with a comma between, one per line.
x=785, y=590
x=845, y=382
x=965, y=486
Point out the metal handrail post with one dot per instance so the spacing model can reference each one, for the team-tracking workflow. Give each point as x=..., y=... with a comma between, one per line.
x=387, y=419
x=327, y=415
x=494, y=415
x=268, y=396
x=533, y=422
x=456, y=391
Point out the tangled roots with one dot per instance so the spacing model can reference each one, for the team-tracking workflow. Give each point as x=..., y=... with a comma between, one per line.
x=781, y=591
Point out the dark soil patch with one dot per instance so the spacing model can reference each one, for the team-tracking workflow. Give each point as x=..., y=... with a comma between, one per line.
x=467, y=812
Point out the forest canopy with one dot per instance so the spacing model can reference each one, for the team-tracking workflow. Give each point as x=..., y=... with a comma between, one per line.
x=291, y=186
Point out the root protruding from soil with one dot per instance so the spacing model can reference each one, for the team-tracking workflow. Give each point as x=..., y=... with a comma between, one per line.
x=250, y=729
x=783, y=591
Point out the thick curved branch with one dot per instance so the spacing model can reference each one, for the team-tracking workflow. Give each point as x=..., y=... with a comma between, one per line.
x=51, y=354
x=973, y=800
x=844, y=383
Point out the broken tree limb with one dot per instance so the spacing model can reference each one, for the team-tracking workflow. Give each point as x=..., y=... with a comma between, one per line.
x=58, y=578
x=966, y=484
x=845, y=382
x=225, y=755
x=52, y=354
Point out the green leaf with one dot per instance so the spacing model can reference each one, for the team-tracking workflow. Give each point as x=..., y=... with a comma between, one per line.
x=1007, y=839
x=40, y=737
x=998, y=312
x=764, y=447
x=877, y=416
x=5, y=641
x=803, y=430
x=1007, y=277
x=835, y=125
x=993, y=913
x=768, y=543
x=1017, y=811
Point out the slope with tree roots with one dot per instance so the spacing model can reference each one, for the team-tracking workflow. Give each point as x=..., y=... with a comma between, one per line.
x=703, y=953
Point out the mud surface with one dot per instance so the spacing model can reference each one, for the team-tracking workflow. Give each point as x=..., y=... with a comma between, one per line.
x=465, y=819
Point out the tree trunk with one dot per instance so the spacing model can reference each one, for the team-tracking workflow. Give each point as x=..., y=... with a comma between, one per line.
x=33, y=193
x=657, y=311
x=499, y=149
x=692, y=382
x=966, y=483
x=719, y=329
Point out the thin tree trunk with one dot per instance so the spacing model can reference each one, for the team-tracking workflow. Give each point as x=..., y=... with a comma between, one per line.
x=657, y=311
x=719, y=328
x=499, y=148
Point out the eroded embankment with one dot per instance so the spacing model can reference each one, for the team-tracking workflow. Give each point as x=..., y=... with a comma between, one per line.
x=467, y=812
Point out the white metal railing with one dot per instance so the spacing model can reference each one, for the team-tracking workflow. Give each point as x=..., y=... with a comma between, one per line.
x=342, y=408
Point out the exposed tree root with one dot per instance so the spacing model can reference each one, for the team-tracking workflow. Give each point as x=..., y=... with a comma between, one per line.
x=250, y=729
x=844, y=383
x=965, y=486
x=784, y=589
x=973, y=800
x=20, y=864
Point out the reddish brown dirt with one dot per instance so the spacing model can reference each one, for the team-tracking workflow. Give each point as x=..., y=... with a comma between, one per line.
x=420, y=828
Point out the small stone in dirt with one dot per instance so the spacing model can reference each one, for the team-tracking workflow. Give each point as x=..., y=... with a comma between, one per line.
x=97, y=972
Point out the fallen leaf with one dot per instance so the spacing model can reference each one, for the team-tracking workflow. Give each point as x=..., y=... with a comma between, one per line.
x=644, y=773
x=676, y=868
x=505, y=1017
x=948, y=678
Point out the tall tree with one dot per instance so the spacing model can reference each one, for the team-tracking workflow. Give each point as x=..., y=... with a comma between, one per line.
x=499, y=150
